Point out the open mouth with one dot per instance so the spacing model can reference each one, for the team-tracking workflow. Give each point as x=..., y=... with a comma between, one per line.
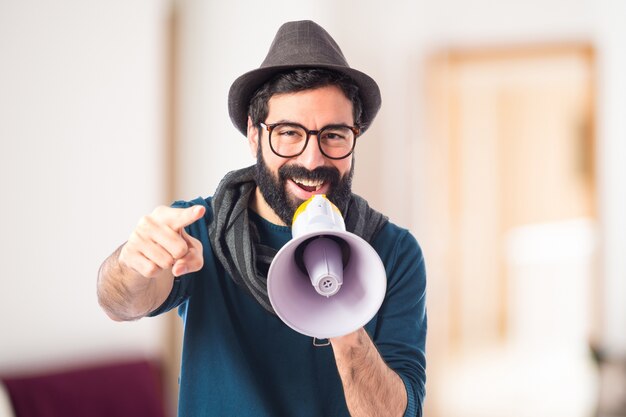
x=308, y=185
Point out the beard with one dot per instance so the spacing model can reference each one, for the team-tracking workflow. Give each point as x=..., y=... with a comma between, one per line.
x=274, y=189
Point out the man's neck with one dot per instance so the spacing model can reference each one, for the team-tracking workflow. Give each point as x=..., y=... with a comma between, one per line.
x=259, y=206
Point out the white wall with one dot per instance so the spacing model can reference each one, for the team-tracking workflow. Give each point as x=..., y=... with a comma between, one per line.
x=81, y=132
x=611, y=33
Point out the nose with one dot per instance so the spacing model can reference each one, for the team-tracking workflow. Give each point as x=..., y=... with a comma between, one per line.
x=312, y=157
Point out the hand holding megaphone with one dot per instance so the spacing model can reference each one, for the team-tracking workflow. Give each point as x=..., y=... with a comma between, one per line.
x=325, y=282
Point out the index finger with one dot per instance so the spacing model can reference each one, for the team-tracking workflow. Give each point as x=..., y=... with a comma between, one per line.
x=178, y=218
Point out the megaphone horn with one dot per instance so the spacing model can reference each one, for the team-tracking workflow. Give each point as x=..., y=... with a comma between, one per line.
x=325, y=282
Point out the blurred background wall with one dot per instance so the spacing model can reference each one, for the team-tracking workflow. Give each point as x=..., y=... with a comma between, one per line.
x=108, y=109
x=81, y=124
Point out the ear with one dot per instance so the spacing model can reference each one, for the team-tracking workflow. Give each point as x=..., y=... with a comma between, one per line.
x=253, y=137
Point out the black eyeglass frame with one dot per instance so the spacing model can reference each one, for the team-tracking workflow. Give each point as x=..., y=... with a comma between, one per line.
x=270, y=127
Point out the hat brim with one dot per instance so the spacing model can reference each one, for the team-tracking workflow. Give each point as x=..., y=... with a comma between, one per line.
x=244, y=87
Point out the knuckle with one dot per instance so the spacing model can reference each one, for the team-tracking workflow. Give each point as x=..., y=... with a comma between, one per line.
x=166, y=263
x=144, y=223
x=134, y=240
x=133, y=246
x=161, y=266
x=149, y=270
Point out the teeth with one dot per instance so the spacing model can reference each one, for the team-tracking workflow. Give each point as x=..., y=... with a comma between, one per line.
x=309, y=183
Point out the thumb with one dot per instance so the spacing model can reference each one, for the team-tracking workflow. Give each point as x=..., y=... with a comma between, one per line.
x=193, y=260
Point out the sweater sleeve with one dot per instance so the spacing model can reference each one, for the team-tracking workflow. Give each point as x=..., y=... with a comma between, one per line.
x=400, y=333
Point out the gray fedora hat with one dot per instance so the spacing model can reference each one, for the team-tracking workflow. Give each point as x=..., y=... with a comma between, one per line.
x=302, y=44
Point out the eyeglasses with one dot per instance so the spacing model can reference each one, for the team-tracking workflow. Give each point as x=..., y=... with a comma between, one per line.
x=288, y=140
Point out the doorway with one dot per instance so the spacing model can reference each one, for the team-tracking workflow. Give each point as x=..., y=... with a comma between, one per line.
x=514, y=217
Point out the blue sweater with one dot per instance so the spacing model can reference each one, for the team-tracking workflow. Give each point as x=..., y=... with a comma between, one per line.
x=239, y=360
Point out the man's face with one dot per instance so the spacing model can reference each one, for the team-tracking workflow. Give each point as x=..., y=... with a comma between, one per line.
x=284, y=183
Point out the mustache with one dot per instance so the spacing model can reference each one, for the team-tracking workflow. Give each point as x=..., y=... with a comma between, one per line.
x=326, y=174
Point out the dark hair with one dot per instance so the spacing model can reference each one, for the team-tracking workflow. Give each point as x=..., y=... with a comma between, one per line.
x=300, y=80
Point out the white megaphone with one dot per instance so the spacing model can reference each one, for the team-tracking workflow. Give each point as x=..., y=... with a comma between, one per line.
x=325, y=282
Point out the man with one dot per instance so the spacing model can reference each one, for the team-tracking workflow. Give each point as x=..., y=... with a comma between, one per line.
x=302, y=112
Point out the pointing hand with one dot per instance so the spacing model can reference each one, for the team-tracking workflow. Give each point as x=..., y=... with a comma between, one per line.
x=160, y=243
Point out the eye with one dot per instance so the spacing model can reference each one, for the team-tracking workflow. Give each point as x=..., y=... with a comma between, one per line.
x=291, y=132
x=333, y=135
x=337, y=134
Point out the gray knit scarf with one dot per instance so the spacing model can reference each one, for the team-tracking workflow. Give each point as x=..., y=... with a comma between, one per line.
x=235, y=239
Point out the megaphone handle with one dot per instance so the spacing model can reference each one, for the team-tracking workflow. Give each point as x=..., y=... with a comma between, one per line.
x=321, y=342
